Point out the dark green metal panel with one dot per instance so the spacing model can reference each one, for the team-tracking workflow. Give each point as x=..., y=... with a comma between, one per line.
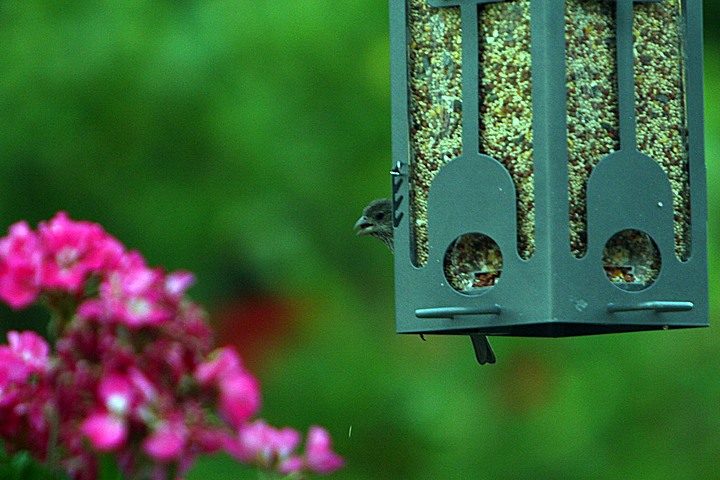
x=553, y=293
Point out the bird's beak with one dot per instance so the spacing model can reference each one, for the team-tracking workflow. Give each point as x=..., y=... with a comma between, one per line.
x=364, y=226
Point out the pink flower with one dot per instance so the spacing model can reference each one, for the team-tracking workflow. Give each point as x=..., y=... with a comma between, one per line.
x=131, y=294
x=143, y=385
x=31, y=348
x=239, y=397
x=107, y=428
x=292, y=464
x=318, y=453
x=239, y=390
x=12, y=369
x=116, y=394
x=73, y=250
x=222, y=360
x=177, y=282
x=285, y=441
x=166, y=442
x=20, y=262
x=25, y=354
x=262, y=444
x=105, y=431
x=18, y=361
x=133, y=372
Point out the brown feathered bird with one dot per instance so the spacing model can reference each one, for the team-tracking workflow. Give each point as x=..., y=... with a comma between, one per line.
x=376, y=221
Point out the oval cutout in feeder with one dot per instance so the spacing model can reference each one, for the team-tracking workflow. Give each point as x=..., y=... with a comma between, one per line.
x=472, y=263
x=631, y=260
x=568, y=133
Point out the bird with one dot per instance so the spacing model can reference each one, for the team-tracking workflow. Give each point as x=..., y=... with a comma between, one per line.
x=376, y=221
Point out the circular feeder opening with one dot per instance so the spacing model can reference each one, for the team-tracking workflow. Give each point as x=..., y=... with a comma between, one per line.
x=631, y=260
x=473, y=263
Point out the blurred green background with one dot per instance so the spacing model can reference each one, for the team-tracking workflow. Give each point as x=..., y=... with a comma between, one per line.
x=240, y=140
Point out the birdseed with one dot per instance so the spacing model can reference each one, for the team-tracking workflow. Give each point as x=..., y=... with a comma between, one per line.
x=435, y=72
x=505, y=89
x=660, y=104
x=592, y=102
x=506, y=104
x=435, y=90
x=593, y=119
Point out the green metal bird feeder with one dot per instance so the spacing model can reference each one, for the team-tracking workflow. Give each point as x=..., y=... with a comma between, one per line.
x=548, y=167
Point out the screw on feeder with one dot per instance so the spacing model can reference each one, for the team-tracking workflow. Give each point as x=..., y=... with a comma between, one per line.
x=398, y=169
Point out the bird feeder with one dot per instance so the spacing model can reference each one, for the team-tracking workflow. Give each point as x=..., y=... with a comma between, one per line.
x=548, y=168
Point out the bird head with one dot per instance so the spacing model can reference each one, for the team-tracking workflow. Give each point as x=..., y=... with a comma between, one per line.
x=376, y=221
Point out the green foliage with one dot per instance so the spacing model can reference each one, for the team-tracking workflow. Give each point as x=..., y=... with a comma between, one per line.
x=22, y=466
x=109, y=468
x=240, y=140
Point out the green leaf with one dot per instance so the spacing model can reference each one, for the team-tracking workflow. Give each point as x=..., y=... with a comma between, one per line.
x=109, y=468
x=23, y=466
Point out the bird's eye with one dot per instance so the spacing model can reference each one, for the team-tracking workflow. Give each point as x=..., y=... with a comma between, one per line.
x=379, y=215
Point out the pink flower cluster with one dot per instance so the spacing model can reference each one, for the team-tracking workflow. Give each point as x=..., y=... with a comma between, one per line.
x=133, y=371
